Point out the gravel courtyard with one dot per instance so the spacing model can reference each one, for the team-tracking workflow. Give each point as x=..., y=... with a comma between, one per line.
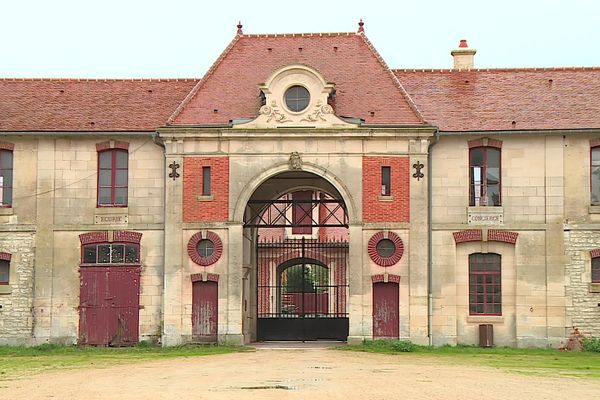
x=298, y=373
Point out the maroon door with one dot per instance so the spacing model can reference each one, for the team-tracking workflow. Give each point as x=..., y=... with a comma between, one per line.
x=204, y=311
x=386, y=304
x=109, y=305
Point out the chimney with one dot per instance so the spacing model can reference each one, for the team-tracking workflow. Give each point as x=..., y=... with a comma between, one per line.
x=463, y=56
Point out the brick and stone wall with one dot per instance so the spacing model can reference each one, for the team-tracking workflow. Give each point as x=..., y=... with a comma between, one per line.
x=583, y=297
x=16, y=320
x=393, y=208
x=198, y=208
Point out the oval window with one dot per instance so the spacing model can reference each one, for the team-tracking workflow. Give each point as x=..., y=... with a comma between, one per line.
x=385, y=248
x=297, y=98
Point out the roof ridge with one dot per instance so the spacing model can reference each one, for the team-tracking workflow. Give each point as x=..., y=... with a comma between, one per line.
x=395, y=79
x=306, y=34
x=98, y=79
x=518, y=69
x=201, y=82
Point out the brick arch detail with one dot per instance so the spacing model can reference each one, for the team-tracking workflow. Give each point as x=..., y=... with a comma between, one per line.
x=7, y=146
x=209, y=278
x=595, y=253
x=385, y=261
x=485, y=142
x=192, y=248
x=118, y=236
x=112, y=145
x=5, y=256
x=493, y=235
x=296, y=253
x=381, y=278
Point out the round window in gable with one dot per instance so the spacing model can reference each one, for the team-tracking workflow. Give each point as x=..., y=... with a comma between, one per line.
x=385, y=249
x=297, y=98
x=205, y=248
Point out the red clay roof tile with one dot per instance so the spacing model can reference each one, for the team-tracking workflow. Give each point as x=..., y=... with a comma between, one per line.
x=491, y=99
x=89, y=105
x=365, y=87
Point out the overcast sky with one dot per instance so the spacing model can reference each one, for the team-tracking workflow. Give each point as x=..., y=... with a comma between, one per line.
x=182, y=38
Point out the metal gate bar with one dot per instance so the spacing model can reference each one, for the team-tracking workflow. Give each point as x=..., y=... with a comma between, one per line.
x=302, y=290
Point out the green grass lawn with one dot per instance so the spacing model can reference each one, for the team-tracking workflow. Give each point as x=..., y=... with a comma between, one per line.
x=542, y=362
x=20, y=361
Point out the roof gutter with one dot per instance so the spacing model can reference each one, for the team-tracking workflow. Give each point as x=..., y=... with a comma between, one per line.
x=78, y=133
x=523, y=132
x=435, y=141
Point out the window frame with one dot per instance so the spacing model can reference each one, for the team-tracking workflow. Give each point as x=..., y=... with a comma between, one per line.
x=5, y=263
x=487, y=306
x=113, y=178
x=3, y=185
x=483, y=184
x=206, y=181
x=595, y=269
x=386, y=180
x=592, y=149
x=110, y=263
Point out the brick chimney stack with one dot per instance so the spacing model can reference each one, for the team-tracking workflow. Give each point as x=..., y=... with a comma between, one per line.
x=463, y=56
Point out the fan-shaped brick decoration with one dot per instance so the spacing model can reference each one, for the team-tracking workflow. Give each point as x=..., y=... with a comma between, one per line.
x=193, y=248
x=394, y=257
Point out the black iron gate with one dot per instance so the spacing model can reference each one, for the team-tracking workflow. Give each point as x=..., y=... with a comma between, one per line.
x=302, y=290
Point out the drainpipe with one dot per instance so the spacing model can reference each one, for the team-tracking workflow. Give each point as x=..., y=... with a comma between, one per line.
x=429, y=244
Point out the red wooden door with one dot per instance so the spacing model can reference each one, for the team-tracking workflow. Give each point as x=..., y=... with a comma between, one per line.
x=204, y=311
x=109, y=305
x=386, y=304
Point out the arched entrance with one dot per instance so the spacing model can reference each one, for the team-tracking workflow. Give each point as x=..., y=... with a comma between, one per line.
x=298, y=225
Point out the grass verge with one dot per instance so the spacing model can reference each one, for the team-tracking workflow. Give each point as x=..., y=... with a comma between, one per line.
x=21, y=361
x=540, y=362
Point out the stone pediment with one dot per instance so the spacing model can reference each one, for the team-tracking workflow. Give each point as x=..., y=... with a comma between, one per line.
x=296, y=96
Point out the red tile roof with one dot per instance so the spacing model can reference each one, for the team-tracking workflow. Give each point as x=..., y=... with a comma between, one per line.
x=472, y=100
x=365, y=87
x=89, y=105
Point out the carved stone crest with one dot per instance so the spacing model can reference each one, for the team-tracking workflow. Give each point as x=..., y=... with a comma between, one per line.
x=295, y=161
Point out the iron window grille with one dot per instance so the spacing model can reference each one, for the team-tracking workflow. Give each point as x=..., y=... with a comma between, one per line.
x=6, y=178
x=484, y=176
x=4, y=272
x=111, y=253
x=485, y=286
x=113, y=168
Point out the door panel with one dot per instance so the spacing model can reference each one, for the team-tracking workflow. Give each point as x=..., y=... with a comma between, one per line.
x=205, y=311
x=386, y=321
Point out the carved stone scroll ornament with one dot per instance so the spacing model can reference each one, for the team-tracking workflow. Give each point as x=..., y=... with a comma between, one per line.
x=319, y=112
x=295, y=161
x=272, y=112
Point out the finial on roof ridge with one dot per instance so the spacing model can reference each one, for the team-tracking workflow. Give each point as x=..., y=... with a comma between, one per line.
x=361, y=26
x=239, y=28
x=463, y=43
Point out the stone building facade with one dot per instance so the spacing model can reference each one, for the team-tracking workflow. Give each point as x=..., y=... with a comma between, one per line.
x=301, y=190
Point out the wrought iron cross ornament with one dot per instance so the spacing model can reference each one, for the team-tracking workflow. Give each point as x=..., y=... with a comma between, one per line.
x=418, y=167
x=174, y=174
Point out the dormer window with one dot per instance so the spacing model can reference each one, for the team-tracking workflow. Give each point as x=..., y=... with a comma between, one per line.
x=297, y=98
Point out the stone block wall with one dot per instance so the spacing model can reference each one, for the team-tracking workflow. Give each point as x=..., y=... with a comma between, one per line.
x=583, y=310
x=16, y=319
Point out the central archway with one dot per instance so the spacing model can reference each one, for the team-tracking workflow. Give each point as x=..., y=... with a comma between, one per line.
x=296, y=234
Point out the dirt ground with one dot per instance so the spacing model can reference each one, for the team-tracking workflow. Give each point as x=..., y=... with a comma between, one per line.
x=300, y=373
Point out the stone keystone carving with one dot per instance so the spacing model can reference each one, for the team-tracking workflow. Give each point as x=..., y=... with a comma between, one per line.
x=295, y=161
